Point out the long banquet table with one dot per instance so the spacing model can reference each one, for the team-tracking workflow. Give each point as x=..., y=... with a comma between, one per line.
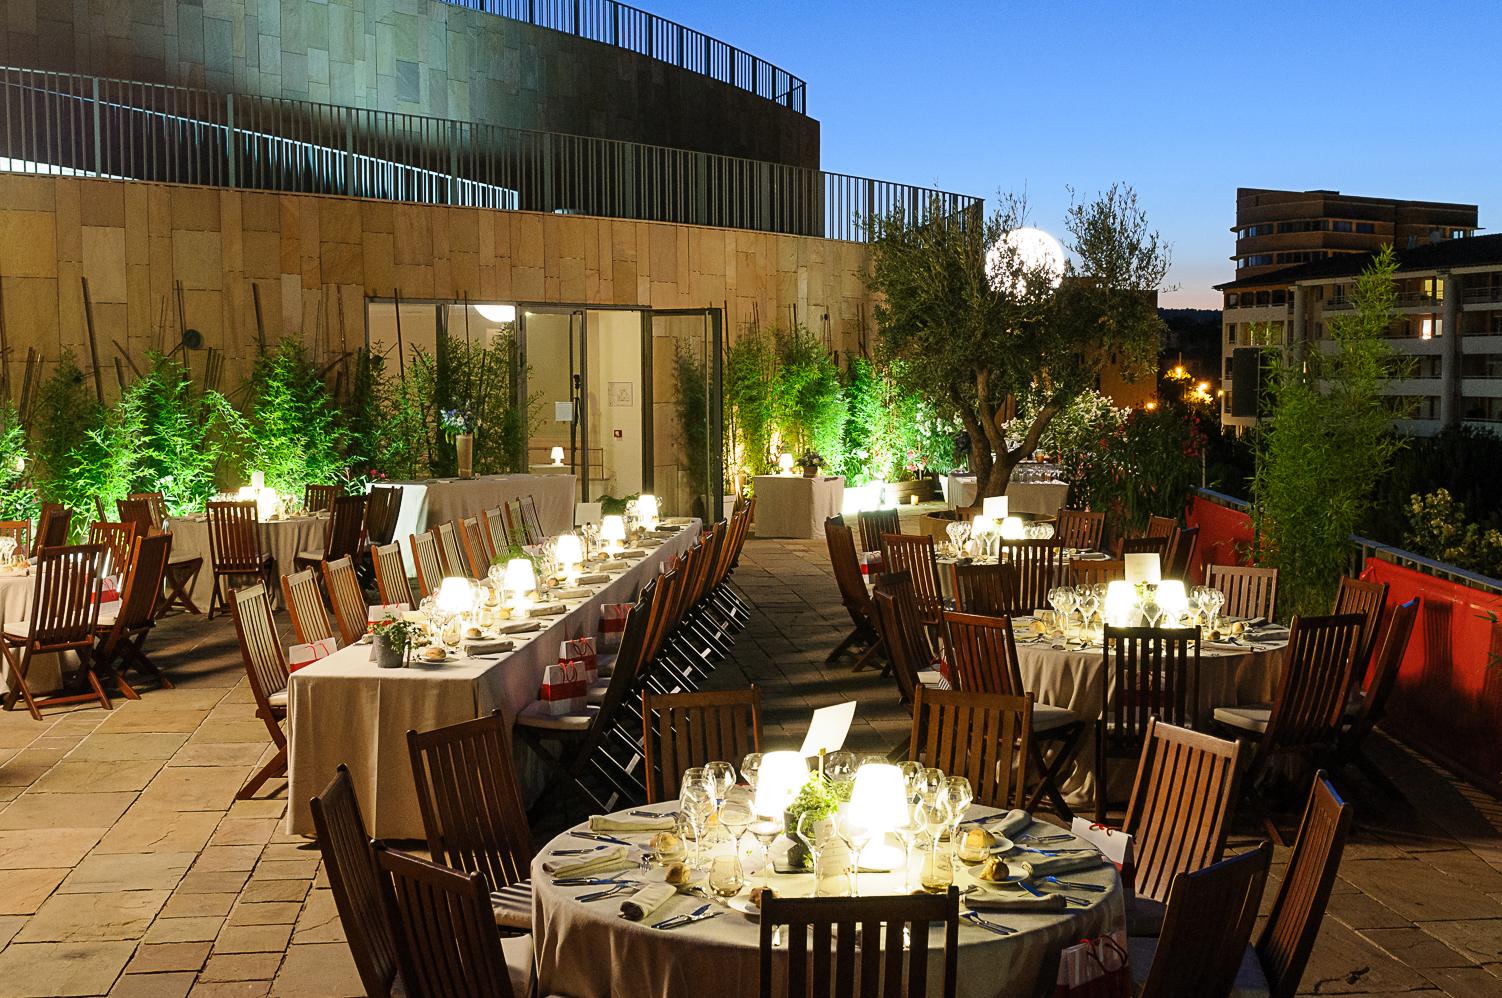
x=588, y=951
x=343, y=709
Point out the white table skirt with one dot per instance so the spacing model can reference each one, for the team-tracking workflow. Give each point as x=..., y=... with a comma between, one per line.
x=17, y=588
x=345, y=710
x=589, y=951
x=282, y=539
x=794, y=506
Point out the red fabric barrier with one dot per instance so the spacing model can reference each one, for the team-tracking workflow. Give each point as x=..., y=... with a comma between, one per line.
x=1225, y=534
x=1448, y=698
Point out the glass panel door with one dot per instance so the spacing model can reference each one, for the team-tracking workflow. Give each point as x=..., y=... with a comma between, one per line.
x=684, y=455
x=553, y=362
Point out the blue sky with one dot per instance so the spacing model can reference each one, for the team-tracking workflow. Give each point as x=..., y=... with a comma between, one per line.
x=1185, y=101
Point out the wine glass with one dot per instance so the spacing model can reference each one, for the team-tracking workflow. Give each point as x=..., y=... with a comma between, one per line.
x=765, y=832
x=911, y=773
x=856, y=835
x=726, y=876
x=697, y=805
x=1151, y=609
x=1214, y=600
x=735, y=818
x=813, y=832
x=839, y=766
x=1059, y=598
x=930, y=783
x=721, y=779
x=938, y=873
x=750, y=767
x=696, y=776
x=908, y=833
x=960, y=795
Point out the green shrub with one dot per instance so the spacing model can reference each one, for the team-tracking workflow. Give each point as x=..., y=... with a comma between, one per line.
x=181, y=435
x=18, y=500
x=289, y=428
x=63, y=413
x=1439, y=528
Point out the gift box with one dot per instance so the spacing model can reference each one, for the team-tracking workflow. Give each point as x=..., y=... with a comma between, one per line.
x=563, y=689
x=107, y=595
x=306, y=654
x=871, y=565
x=1095, y=968
x=612, y=626
x=581, y=650
x=385, y=611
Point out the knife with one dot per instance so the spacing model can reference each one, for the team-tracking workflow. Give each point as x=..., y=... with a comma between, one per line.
x=597, y=837
x=667, y=923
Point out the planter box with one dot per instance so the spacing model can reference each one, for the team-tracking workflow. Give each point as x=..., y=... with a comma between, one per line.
x=902, y=492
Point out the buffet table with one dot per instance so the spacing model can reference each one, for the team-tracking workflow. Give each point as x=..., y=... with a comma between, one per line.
x=794, y=506
x=441, y=500
x=343, y=709
x=589, y=951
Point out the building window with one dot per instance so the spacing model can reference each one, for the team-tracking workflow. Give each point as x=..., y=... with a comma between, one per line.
x=1230, y=332
x=1430, y=327
x=1228, y=370
x=1481, y=365
x=1434, y=288
x=1280, y=297
x=1231, y=299
x=1340, y=226
x=1366, y=228
x=1486, y=410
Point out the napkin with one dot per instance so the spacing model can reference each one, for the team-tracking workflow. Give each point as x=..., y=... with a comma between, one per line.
x=593, y=579
x=1052, y=866
x=519, y=627
x=488, y=646
x=615, y=566
x=547, y=610
x=1013, y=901
x=604, y=861
x=1223, y=646
x=634, y=553
x=1012, y=823
x=577, y=592
x=609, y=823
x=647, y=900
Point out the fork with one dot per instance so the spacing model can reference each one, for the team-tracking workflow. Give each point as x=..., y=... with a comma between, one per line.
x=608, y=892
x=577, y=852
x=1075, y=885
x=974, y=918
x=1069, y=899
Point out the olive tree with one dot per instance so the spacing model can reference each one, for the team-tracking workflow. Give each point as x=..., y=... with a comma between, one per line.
x=980, y=328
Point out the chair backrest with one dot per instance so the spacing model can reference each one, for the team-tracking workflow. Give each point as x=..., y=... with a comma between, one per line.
x=514, y=525
x=156, y=502
x=982, y=653
x=531, y=522
x=425, y=557
x=992, y=590
x=884, y=618
x=1367, y=599
x=1182, y=801
x=52, y=526
x=116, y=540
x=63, y=610
x=304, y=602
x=1080, y=529
x=495, y=531
x=447, y=942
x=1181, y=553
x=476, y=543
x=137, y=512
x=450, y=552
x=1293, y=922
x=1386, y=662
x=362, y=891
x=1161, y=526
x=875, y=522
x=1037, y=565
x=1147, y=545
x=391, y=573
x=915, y=555
x=142, y=583
x=319, y=498
x=20, y=532
x=588, y=512
x=901, y=629
x=346, y=528
x=833, y=965
x=346, y=597
x=234, y=537
x=1149, y=672
x=1191, y=962
x=680, y=730
x=1084, y=572
x=260, y=645
x=1249, y=592
x=1318, y=666
x=381, y=513
x=471, y=805
x=847, y=571
x=982, y=736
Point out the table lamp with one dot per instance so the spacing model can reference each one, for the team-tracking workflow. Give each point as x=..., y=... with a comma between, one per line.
x=557, y=455
x=1142, y=568
x=519, y=580
x=1121, y=604
x=1174, y=601
x=569, y=550
x=456, y=595
x=258, y=480
x=781, y=776
x=646, y=510
x=1013, y=529
x=785, y=462
x=878, y=802
x=613, y=532
x=994, y=507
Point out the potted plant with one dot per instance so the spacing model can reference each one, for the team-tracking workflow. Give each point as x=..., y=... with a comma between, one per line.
x=820, y=796
x=811, y=461
x=459, y=425
x=391, y=639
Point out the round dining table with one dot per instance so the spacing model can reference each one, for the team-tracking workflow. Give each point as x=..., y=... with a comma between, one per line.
x=588, y=950
x=17, y=590
x=281, y=538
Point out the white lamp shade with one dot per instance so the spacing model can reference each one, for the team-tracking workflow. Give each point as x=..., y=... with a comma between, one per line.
x=556, y=454
x=981, y=526
x=1013, y=529
x=1121, y=604
x=246, y=492
x=456, y=595
x=646, y=506
x=1173, y=599
x=612, y=528
x=879, y=799
x=258, y=479
x=994, y=507
x=497, y=313
x=785, y=462
x=519, y=577
x=1142, y=568
x=568, y=549
x=781, y=776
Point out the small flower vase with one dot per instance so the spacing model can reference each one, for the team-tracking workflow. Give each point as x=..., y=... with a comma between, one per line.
x=388, y=652
x=810, y=471
x=464, y=449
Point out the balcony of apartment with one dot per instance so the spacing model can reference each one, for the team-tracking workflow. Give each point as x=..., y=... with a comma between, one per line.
x=1480, y=299
x=1277, y=242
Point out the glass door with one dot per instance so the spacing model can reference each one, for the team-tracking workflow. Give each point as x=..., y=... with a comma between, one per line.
x=683, y=452
x=551, y=388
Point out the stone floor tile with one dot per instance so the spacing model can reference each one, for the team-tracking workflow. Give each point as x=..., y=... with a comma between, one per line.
x=162, y=721
x=1464, y=982
x=67, y=918
x=211, y=754
x=181, y=905
x=1413, y=889
x=69, y=777
x=198, y=929
x=23, y=891
x=30, y=848
x=156, y=958
x=127, y=872
x=1361, y=912
x=324, y=970
x=213, y=883
x=241, y=967
x=269, y=913
x=9, y=926
x=238, y=831
x=274, y=890
x=152, y=986
x=1478, y=939
x=302, y=869
x=32, y=810
x=222, y=859
x=68, y=968
x=195, y=788
x=319, y=921
x=1413, y=947
x=146, y=830
x=253, y=938
x=230, y=989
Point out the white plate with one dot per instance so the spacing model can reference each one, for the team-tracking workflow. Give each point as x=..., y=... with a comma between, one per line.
x=742, y=903
x=659, y=875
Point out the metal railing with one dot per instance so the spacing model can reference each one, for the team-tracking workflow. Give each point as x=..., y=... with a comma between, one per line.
x=631, y=28
x=66, y=124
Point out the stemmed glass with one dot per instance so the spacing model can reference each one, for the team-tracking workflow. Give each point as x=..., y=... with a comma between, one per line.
x=1061, y=598
x=750, y=766
x=930, y=782
x=735, y=818
x=911, y=773
x=1151, y=609
x=960, y=794
x=1214, y=599
x=856, y=835
x=765, y=831
x=839, y=766
x=937, y=814
x=813, y=832
x=721, y=777
x=908, y=833
x=697, y=805
x=959, y=533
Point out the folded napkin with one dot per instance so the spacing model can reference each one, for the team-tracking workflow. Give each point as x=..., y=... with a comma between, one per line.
x=615, y=566
x=606, y=860
x=1050, y=866
x=519, y=627
x=548, y=610
x=593, y=579
x=634, y=553
x=1012, y=823
x=652, y=542
x=1223, y=646
x=627, y=823
x=488, y=646
x=665, y=530
x=577, y=592
x=1013, y=901
x=647, y=900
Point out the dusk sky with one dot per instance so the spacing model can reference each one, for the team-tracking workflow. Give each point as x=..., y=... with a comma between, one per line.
x=1185, y=101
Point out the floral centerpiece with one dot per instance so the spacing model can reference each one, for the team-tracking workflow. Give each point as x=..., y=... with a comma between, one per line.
x=459, y=426
x=821, y=797
x=811, y=462
x=392, y=638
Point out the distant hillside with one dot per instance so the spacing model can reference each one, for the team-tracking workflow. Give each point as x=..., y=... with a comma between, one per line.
x=1194, y=335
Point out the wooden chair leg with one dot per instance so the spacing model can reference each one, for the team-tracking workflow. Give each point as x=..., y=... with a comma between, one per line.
x=868, y=657
x=276, y=767
x=131, y=652
x=86, y=663
x=180, y=582
x=1048, y=782
x=18, y=688
x=843, y=646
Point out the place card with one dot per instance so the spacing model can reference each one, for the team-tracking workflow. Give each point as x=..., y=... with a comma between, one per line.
x=827, y=730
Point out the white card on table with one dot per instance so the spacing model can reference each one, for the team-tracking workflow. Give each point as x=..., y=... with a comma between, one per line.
x=827, y=730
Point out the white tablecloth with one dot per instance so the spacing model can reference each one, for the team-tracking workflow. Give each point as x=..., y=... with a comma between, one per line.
x=17, y=587
x=794, y=506
x=1040, y=498
x=344, y=709
x=589, y=951
x=440, y=500
x=282, y=539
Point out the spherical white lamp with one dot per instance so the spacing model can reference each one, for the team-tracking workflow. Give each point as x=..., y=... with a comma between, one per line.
x=647, y=510
x=613, y=531
x=497, y=313
x=1023, y=252
x=1142, y=568
x=568, y=549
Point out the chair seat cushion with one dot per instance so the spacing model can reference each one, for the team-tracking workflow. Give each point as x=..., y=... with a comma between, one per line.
x=534, y=716
x=1047, y=717
x=277, y=699
x=513, y=906
x=1253, y=717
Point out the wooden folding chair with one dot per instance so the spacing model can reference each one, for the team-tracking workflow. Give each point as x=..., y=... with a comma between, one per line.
x=1147, y=545
x=450, y=553
x=1080, y=529
x=836, y=968
x=1188, y=961
x=516, y=527
x=473, y=541
x=382, y=508
x=853, y=594
x=991, y=590
x=916, y=556
x=875, y=522
x=1084, y=572
x=304, y=603
x=531, y=522
x=1249, y=592
x=64, y=615
x=1149, y=673
x=235, y=547
x=1367, y=599
x=495, y=530
x=1037, y=565
x=681, y=730
x=1371, y=703
x=319, y=498
x=425, y=556
x=348, y=601
x=362, y=891
x=982, y=736
x=446, y=944
x=116, y=539
x=52, y=527
x=343, y=537
x=20, y=532
x=266, y=666
x=391, y=574
x=148, y=510
x=1181, y=553
x=899, y=624
x=121, y=640
x=1161, y=526
x=982, y=654
x=472, y=810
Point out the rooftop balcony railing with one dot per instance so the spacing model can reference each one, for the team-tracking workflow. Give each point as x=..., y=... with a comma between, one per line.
x=644, y=33
x=64, y=124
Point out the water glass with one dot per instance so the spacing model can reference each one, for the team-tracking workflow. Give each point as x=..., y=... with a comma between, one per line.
x=721, y=779
x=727, y=876
x=750, y=767
x=697, y=806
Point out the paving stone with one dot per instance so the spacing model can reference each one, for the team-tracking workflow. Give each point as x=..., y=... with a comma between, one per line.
x=253, y=938
x=28, y=849
x=147, y=830
x=68, y=969
x=270, y=913
x=153, y=958
x=241, y=967
x=1415, y=948
x=23, y=891
x=182, y=905
x=319, y=920
x=184, y=930
x=275, y=890
x=222, y=859
x=152, y=986
x=195, y=788
x=128, y=872
x=1414, y=890
x=325, y=970
x=32, y=810
x=67, y=918
x=92, y=777
x=1480, y=939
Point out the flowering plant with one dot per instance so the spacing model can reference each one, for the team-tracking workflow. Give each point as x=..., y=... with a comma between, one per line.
x=397, y=632
x=456, y=421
